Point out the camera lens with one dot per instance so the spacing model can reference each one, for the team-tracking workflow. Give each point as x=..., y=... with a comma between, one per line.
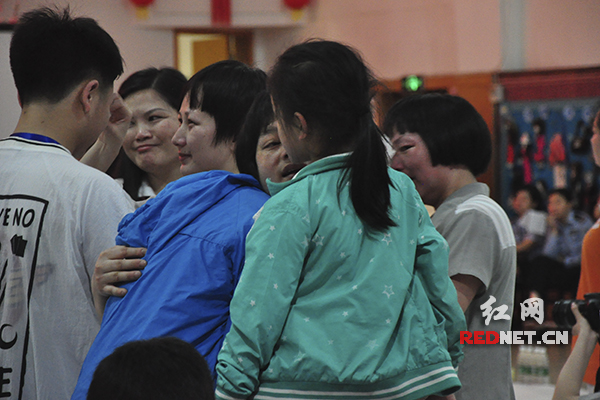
x=589, y=308
x=562, y=314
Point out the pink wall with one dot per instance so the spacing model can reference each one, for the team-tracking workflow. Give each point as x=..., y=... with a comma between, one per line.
x=560, y=34
x=396, y=37
x=405, y=37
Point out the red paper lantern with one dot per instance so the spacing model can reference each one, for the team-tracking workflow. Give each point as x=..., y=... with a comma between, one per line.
x=142, y=3
x=297, y=7
x=296, y=4
x=141, y=7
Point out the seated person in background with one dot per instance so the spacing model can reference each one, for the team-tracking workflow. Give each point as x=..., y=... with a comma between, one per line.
x=442, y=143
x=555, y=272
x=571, y=376
x=194, y=229
x=530, y=226
x=156, y=369
x=530, y=229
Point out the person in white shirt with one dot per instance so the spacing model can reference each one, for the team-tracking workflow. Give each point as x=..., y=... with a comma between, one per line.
x=56, y=214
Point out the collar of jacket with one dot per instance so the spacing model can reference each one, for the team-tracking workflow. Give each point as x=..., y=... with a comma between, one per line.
x=336, y=161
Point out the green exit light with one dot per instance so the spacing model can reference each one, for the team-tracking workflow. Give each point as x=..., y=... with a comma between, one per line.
x=412, y=83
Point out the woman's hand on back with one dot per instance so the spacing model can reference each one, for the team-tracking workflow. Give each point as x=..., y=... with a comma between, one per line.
x=118, y=264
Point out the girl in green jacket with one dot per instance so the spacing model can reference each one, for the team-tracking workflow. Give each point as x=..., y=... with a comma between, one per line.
x=345, y=290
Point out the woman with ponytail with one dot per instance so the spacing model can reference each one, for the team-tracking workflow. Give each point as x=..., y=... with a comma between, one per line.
x=345, y=290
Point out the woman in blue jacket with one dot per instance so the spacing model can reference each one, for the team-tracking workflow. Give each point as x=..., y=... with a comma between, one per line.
x=194, y=230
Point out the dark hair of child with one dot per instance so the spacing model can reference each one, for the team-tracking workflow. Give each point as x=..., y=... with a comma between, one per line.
x=329, y=84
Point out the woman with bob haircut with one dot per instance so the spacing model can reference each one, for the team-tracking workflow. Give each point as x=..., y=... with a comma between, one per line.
x=442, y=143
x=345, y=289
x=194, y=229
x=259, y=150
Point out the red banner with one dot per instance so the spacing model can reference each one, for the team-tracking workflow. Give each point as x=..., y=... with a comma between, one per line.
x=220, y=11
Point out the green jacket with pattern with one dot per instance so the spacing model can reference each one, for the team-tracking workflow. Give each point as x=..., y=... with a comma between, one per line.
x=328, y=309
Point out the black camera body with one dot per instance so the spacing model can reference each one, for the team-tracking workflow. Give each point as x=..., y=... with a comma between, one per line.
x=589, y=308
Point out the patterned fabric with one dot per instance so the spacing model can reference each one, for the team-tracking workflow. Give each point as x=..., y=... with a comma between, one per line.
x=327, y=308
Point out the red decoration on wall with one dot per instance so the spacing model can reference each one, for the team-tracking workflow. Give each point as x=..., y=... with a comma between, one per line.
x=297, y=7
x=142, y=3
x=141, y=7
x=220, y=11
x=296, y=4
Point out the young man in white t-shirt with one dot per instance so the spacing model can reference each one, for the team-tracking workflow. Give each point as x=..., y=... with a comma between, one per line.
x=56, y=214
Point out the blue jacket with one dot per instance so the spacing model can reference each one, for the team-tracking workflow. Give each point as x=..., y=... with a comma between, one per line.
x=195, y=230
x=565, y=246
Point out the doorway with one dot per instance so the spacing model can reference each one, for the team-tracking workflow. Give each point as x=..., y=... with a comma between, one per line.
x=195, y=50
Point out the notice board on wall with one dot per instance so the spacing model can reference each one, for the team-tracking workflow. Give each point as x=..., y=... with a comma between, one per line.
x=545, y=123
x=547, y=143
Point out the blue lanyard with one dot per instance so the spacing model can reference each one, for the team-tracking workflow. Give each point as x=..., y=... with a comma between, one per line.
x=35, y=136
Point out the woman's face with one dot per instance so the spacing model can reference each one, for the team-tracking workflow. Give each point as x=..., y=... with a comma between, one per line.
x=272, y=160
x=412, y=157
x=195, y=141
x=522, y=202
x=596, y=140
x=148, y=140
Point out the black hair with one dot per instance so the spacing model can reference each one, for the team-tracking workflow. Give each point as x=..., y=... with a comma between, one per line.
x=451, y=128
x=541, y=124
x=226, y=90
x=535, y=195
x=564, y=193
x=258, y=119
x=51, y=53
x=329, y=84
x=155, y=369
x=168, y=83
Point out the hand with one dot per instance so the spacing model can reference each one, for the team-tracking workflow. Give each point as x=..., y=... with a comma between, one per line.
x=115, y=265
x=106, y=148
x=551, y=222
x=582, y=326
x=118, y=123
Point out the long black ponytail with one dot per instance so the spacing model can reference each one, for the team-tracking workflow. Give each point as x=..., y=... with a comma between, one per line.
x=328, y=83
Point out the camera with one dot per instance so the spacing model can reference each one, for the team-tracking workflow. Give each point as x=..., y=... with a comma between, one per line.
x=589, y=308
